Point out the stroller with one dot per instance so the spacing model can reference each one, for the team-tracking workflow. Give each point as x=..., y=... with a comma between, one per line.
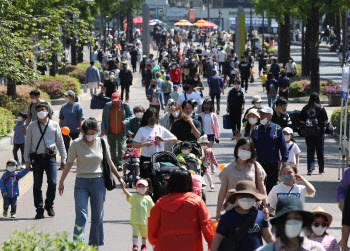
x=193, y=164
x=159, y=170
x=131, y=163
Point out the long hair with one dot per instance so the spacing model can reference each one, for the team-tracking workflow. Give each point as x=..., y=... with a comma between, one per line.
x=149, y=114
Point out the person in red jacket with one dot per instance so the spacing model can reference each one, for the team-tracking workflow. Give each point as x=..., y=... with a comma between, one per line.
x=178, y=219
x=175, y=74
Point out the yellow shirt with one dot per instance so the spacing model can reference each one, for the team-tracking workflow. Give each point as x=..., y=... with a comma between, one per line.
x=140, y=208
x=263, y=79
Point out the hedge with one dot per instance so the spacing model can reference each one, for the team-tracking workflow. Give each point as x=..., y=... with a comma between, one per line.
x=335, y=120
x=21, y=103
x=7, y=122
x=78, y=71
x=300, y=86
x=58, y=85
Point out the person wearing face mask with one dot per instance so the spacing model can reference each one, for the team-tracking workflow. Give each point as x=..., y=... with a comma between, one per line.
x=283, y=85
x=271, y=86
x=289, y=221
x=317, y=232
x=280, y=115
x=71, y=116
x=289, y=187
x=89, y=183
x=134, y=124
x=126, y=79
x=244, y=167
x=148, y=76
x=291, y=68
x=198, y=84
x=211, y=125
x=42, y=138
x=216, y=87
x=244, y=220
x=167, y=88
x=235, y=106
x=19, y=137
x=252, y=118
x=141, y=205
x=293, y=148
x=256, y=101
x=269, y=141
x=175, y=74
x=115, y=117
x=32, y=114
x=208, y=159
x=10, y=187
x=110, y=85
x=155, y=96
x=151, y=137
x=190, y=94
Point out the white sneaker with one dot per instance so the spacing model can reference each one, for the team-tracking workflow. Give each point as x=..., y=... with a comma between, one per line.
x=212, y=186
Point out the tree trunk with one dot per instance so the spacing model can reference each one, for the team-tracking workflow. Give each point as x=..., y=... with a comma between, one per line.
x=54, y=65
x=337, y=27
x=314, y=50
x=11, y=88
x=74, y=51
x=81, y=53
x=306, y=59
x=129, y=35
x=121, y=21
x=284, y=40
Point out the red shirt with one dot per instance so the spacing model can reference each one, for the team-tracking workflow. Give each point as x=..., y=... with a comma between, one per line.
x=116, y=119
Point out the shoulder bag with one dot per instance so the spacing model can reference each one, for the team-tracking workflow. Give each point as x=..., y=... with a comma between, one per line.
x=107, y=172
x=32, y=156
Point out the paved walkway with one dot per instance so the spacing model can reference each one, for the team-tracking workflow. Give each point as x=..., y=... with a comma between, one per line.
x=117, y=210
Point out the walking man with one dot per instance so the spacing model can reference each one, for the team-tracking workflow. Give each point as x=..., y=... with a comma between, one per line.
x=245, y=70
x=92, y=78
x=216, y=87
x=126, y=78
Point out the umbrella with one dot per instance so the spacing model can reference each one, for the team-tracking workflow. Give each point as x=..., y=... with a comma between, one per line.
x=136, y=20
x=156, y=21
x=183, y=23
x=210, y=25
x=201, y=23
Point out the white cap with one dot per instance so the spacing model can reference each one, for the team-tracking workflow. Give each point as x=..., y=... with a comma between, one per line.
x=266, y=110
x=288, y=130
x=257, y=99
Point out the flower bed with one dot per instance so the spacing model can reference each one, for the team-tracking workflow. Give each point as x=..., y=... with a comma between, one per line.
x=335, y=120
x=300, y=86
x=58, y=85
x=7, y=122
x=78, y=71
x=22, y=101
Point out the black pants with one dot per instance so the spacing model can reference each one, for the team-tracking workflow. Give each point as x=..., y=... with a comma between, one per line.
x=17, y=147
x=315, y=143
x=157, y=107
x=144, y=171
x=235, y=117
x=217, y=96
x=125, y=88
x=66, y=139
x=133, y=64
x=271, y=170
x=244, y=82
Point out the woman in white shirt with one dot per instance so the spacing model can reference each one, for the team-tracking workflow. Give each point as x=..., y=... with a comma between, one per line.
x=151, y=138
x=291, y=68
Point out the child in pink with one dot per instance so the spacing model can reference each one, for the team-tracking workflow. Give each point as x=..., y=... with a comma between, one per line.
x=208, y=158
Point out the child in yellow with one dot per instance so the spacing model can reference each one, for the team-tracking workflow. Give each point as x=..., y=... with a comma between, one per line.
x=186, y=149
x=263, y=80
x=141, y=205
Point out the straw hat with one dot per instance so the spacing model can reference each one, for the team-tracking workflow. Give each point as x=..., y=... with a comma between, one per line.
x=319, y=210
x=252, y=111
x=203, y=139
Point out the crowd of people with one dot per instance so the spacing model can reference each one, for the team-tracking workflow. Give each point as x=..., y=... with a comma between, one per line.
x=262, y=181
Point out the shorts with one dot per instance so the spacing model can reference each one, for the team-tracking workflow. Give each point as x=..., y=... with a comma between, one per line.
x=137, y=228
x=92, y=85
x=262, y=67
x=211, y=137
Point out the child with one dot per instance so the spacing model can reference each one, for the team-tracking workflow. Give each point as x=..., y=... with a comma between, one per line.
x=292, y=146
x=131, y=156
x=263, y=80
x=186, y=149
x=289, y=187
x=19, y=137
x=175, y=94
x=210, y=122
x=141, y=205
x=208, y=158
x=9, y=186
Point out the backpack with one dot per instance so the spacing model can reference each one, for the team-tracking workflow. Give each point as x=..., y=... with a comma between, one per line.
x=273, y=90
x=312, y=127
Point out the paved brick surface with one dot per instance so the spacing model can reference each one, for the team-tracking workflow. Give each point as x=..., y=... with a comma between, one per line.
x=117, y=210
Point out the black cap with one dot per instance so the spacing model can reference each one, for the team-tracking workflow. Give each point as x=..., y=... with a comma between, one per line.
x=186, y=144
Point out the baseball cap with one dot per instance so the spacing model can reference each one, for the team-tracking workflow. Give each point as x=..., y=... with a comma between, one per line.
x=267, y=110
x=115, y=96
x=167, y=77
x=175, y=86
x=288, y=130
x=144, y=56
x=257, y=99
x=69, y=93
x=143, y=182
x=213, y=70
x=11, y=161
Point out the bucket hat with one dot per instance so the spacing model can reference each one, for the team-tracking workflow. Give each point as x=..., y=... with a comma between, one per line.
x=244, y=187
x=253, y=111
x=203, y=139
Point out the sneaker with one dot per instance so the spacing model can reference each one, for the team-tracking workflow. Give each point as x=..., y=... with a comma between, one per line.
x=135, y=248
x=39, y=215
x=4, y=213
x=218, y=112
x=143, y=247
x=309, y=172
x=119, y=168
x=50, y=211
x=212, y=186
x=322, y=172
x=13, y=215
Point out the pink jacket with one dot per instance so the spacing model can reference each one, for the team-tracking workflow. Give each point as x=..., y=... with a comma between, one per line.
x=214, y=124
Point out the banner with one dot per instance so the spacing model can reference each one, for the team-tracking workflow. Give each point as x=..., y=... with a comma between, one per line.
x=345, y=83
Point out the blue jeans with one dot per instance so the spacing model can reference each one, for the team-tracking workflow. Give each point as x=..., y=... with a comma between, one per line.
x=166, y=98
x=271, y=99
x=48, y=164
x=96, y=190
x=315, y=143
x=17, y=147
x=12, y=202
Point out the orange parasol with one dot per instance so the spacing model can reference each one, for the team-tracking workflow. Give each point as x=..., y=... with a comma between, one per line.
x=201, y=23
x=183, y=22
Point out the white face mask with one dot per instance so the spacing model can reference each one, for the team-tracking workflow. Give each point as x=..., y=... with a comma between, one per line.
x=11, y=169
x=175, y=114
x=196, y=79
x=204, y=147
x=33, y=100
x=19, y=118
x=253, y=121
x=111, y=77
x=195, y=109
x=258, y=105
x=244, y=154
x=67, y=99
x=141, y=190
x=287, y=137
x=184, y=151
x=139, y=115
x=290, y=61
x=42, y=114
x=246, y=203
x=318, y=230
x=236, y=87
x=293, y=228
x=90, y=137
x=263, y=121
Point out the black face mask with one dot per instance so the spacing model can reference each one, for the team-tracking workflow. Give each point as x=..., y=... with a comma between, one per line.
x=153, y=86
x=152, y=121
x=206, y=108
x=186, y=88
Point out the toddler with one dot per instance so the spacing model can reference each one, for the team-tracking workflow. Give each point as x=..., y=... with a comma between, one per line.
x=141, y=205
x=131, y=156
x=186, y=149
x=263, y=80
x=208, y=158
x=292, y=146
x=19, y=137
x=9, y=186
x=175, y=94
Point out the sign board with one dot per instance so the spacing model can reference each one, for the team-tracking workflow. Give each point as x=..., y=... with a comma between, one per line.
x=256, y=22
x=345, y=82
x=175, y=12
x=192, y=15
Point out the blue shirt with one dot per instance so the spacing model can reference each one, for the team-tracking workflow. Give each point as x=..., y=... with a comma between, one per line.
x=20, y=136
x=160, y=83
x=215, y=84
x=71, y=114
x=275, y=68
x=92, y=75
x=232, y=221
x=269, y=143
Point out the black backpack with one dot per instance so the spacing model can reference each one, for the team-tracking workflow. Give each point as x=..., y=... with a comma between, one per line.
x=312, y=127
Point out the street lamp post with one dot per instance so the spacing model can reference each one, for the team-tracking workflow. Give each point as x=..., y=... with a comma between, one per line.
x=208, y=9
x=220, y=19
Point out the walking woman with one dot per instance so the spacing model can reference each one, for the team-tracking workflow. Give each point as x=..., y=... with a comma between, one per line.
x=89, y=182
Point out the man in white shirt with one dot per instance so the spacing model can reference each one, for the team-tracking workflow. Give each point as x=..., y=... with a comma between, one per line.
x=206, y=51
x=190, y=94
x=172, y=32
x=221, y=59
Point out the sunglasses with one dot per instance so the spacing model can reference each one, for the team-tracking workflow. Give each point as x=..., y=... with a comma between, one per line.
x=317, y=224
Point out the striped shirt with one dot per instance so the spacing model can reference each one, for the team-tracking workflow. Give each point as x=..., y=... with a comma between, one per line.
x=328, y=242
x=209, y=157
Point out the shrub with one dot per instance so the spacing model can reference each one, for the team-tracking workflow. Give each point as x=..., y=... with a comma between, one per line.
x=58, y=85
x=21, y=103
x=335, y=120
x=300, y=86
x=272, y=50
x=30, y=240
x=6, y=122
x=78, y=71
x=336, y=90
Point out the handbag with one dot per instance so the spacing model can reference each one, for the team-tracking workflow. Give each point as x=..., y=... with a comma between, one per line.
x=231, y=242
x=328, y=128
x=227, y=121
x=107, y=172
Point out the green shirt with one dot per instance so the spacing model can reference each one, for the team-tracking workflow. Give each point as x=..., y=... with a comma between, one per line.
x=180, y=157
x=140, y=208
x=133, y=126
